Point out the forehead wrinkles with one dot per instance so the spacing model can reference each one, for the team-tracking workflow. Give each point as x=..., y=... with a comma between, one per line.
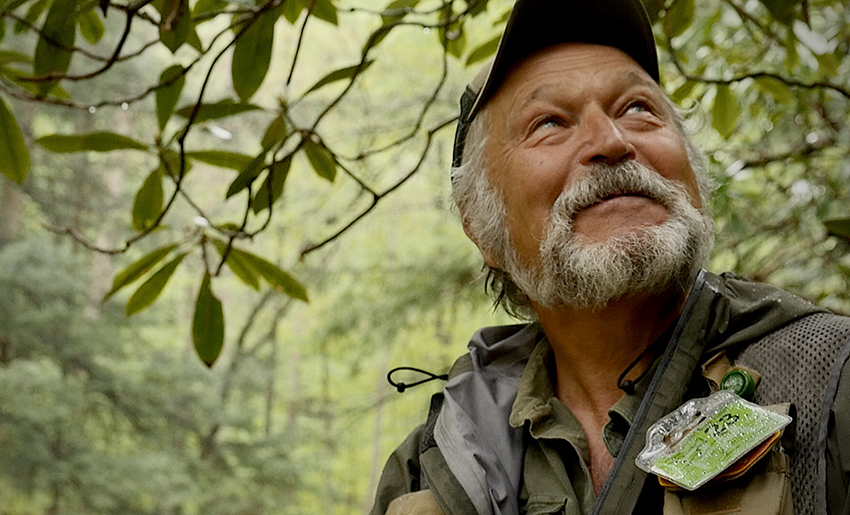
x=529, y=84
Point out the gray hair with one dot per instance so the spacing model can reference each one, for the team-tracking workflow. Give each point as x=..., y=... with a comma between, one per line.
x=482, y=208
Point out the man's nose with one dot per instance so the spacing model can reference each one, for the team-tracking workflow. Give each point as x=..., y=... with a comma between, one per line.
x=603, y=141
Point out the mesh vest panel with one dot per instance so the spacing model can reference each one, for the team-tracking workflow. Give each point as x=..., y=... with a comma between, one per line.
x=799, y=363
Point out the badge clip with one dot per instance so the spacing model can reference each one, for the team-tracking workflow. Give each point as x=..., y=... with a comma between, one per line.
x=704, y=437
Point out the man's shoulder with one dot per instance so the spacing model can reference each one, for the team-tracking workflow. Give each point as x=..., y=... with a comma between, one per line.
x=744, y=311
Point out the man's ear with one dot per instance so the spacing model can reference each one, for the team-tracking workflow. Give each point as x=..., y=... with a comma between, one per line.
x=488, y=258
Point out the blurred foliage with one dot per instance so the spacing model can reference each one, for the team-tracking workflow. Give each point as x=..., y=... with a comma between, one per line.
x=104, y=414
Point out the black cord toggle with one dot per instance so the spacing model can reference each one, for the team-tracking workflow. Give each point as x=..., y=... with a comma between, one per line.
x=401, y=387
x=628, y=385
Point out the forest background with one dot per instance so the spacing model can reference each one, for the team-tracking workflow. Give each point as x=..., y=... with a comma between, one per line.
x=223, y=221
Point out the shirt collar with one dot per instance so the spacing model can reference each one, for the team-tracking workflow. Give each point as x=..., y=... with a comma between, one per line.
x=546, y=417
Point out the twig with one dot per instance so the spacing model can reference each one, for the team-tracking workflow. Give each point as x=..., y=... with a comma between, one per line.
x=300, y=41
x=377, y=197
x=420, y=120
x=749, y=17
x=756, y=75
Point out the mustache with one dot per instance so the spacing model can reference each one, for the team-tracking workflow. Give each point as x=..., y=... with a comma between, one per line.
x=601, y=182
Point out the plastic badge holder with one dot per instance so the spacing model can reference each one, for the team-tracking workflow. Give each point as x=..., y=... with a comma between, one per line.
x=703, y=437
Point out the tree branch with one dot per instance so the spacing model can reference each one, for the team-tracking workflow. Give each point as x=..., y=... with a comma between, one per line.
x=377, y=197
x=844, y=91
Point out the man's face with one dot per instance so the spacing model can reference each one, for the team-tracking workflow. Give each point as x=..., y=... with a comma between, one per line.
x=562, y=111
x=600, y=198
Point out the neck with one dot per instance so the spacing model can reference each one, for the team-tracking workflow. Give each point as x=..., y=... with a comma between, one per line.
x=592, y=348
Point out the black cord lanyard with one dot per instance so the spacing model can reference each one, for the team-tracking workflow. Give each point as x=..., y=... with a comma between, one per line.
x=401, y=387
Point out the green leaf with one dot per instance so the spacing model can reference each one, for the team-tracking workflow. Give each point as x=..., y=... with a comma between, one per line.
x=838, y=227
x=176, y=23
x=32, y=16
x=8, y=57
x=394, y=12
x=680, y=16
x=292, y=10
x=95, y=141
x=777, y=89
x=252, y=55
x=275, y=133
x=709, y=26
x=454, y=39
x=15, y=162
x=222, y=158
x=167, y=96
x=479, y=7
x=138, y=269
x=11, y=5
x=194, y=40
x=272, y=187
x=483, y=51
x=152, y=288
x=216, y=111
x=683, y=91
x=341, y=74
x=782, y=10
x=149, y=201
x=208, y=324
x=320, y=159
x=238, y=265
x=377, y=37
x=21, y=79
x=207, y=6
x=325, y=10
x=169, y=163
x=792, y=57
x=725, y=111
x=247, y=176
x=279, y=279
x=55, y=56
x=828, y=64
x=241, y=269
x=398, y=9
x=91, y=26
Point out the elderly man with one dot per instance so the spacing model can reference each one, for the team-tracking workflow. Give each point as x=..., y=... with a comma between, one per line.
x=574, y=177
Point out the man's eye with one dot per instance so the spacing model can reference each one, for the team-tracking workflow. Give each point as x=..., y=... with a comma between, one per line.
x=638, y=107
x=548, y=123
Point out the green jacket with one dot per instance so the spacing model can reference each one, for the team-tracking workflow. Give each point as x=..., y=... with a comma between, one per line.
x=485, y=449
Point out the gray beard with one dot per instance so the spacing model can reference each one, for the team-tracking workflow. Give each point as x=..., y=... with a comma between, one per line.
x=649, y=260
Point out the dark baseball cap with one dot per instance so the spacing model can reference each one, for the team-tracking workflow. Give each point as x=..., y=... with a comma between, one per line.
x=536, y=24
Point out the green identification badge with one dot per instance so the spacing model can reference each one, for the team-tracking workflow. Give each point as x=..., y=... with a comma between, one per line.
x=705, y=436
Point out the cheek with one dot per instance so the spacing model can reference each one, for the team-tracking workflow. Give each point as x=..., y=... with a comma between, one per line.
x=528, y=195
x=670, y=158
x=531, y=193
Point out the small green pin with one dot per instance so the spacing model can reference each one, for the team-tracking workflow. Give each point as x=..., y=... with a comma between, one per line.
x=739, y=382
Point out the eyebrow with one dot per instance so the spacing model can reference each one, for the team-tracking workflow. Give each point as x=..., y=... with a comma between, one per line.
x=537, y=93
x=637, y=79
